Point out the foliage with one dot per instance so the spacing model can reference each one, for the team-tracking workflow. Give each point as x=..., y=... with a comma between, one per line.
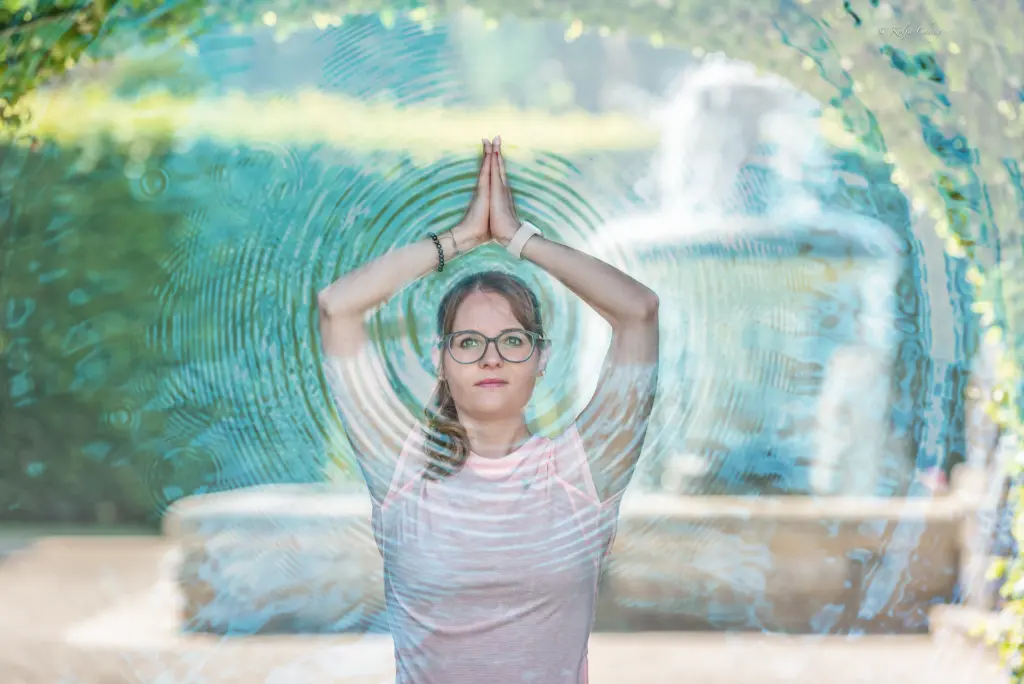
x=1001, y=310
x=82, y=259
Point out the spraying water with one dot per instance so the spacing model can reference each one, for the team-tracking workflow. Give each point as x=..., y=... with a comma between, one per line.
x=765, y=384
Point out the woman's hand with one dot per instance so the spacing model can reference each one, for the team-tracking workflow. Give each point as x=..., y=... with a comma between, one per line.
x=474, y=228
x=504, y=220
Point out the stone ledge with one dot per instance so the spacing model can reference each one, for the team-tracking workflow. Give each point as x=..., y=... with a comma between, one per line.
x=302, y=558
x=292, y=503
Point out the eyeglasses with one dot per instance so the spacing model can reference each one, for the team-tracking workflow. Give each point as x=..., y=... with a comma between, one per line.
x=469, y=346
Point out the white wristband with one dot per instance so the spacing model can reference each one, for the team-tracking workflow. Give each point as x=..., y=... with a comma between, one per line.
x=526, y=231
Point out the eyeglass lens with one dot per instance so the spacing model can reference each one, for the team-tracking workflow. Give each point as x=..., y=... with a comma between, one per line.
x=470, y=347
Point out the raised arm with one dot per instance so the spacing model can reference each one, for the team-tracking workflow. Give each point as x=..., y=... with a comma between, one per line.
x=613, y=426
x=375, y=420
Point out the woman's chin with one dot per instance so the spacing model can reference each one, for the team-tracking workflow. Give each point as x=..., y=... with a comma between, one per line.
x=493, y=408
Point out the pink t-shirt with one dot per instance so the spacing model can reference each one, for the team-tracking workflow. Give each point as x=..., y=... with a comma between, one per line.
x=491, y=575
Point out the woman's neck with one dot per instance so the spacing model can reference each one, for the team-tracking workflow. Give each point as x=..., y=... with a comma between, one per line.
x=496, y=438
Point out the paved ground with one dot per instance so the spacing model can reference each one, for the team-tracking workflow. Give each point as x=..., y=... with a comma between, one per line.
x=96, y=611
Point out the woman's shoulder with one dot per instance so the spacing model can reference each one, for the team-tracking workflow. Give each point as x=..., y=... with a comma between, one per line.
x=568, y=459
x=566, y=441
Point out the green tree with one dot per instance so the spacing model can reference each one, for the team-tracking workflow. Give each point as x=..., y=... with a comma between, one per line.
x=82, y=256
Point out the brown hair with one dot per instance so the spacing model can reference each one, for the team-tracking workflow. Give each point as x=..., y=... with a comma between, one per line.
x=447, y=444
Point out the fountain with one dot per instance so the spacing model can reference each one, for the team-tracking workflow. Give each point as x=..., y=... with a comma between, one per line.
x=778, y=332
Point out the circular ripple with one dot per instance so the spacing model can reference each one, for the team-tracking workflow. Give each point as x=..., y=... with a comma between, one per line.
x=124, y=417
x=376, y=215
x=180, y=472
x=153, y=183
x=256, y=181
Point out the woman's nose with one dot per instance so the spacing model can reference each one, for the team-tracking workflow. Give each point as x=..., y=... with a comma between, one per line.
x=491, y=355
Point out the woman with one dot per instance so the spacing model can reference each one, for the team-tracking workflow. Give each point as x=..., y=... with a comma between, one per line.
x=493, y=539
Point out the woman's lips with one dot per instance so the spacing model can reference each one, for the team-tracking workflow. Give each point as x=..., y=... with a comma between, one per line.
x=491, y=383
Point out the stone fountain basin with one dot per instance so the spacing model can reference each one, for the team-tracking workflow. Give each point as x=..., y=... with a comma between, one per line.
x=301, y=558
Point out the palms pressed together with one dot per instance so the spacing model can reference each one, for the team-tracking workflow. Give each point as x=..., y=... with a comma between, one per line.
x=491, y=214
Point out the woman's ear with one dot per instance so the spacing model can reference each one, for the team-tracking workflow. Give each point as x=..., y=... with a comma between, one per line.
x=545, y=353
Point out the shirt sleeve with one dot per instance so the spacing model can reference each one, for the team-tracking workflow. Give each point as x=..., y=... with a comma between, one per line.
x=409, y=468
x=380, y=430
x=574, y=467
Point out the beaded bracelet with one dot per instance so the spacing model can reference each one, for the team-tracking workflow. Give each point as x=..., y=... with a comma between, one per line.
x=440, y=252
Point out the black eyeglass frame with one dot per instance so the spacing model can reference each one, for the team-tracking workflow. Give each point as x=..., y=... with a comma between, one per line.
x=445, y=343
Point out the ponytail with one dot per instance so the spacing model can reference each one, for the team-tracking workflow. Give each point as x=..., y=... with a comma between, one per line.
x=447, y=442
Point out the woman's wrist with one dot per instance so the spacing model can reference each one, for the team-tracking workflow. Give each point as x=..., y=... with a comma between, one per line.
x=465, y=239
x=508, y=231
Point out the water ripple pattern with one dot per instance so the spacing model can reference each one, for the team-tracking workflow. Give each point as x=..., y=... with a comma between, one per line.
x=816, y=339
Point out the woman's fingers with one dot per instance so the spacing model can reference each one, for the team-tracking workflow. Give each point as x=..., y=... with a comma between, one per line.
x=508, y=188
x=496, y=185
x=501, y=161
x=483, y=180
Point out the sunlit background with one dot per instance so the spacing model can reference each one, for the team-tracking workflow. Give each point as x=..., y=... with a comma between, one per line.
x=826, y=196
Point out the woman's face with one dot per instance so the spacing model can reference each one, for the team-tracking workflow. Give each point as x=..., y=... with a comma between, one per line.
x=490, y=314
